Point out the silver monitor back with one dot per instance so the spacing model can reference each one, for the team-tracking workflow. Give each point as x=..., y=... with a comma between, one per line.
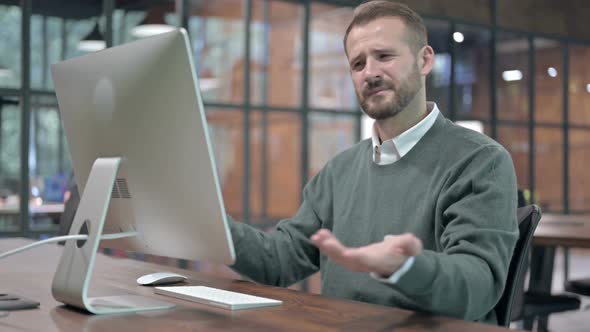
x=140, y=101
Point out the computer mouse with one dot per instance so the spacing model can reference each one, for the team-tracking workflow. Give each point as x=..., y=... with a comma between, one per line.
x=160, y=278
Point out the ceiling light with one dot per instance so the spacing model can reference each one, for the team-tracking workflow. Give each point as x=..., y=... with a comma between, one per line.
x=5, y=72
x=152, y=24
x=552, y=71
x=207, y=84
x=512, y=75
x=93, y=41
x=458, y=37
x=588, y=87
x=471, y=124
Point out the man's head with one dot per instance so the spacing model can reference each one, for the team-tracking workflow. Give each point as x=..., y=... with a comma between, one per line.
x=416, y=34
x=388, y=56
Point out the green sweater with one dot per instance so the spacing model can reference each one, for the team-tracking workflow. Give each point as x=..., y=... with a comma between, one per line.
x=455, y=190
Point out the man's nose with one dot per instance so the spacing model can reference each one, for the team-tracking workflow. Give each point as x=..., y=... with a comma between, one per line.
x=374, y=81
x=372, y=72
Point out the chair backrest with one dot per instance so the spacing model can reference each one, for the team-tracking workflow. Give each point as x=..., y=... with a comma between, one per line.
x=67, y=217
x=528, y=219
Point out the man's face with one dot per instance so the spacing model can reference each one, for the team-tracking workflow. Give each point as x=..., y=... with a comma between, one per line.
x=384, y=70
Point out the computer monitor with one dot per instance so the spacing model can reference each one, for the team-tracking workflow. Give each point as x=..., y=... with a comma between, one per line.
x=142, y=158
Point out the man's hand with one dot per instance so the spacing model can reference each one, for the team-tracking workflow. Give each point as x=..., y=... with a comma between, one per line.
x=382, y=258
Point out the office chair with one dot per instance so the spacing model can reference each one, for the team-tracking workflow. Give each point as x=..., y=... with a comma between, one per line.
x=528, y=218
x=540, y=305
x=577, y=286
x=529, y=306
x=70, y=207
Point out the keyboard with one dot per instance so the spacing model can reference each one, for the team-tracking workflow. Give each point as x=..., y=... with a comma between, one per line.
x=217, y=297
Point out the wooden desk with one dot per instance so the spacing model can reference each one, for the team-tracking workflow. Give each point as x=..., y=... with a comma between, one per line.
x=53, y=208
x=555, y=230
x=43, y=217
x=563, y=230
x=30, y=273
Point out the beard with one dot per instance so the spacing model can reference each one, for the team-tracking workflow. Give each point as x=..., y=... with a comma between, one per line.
x=381, y=107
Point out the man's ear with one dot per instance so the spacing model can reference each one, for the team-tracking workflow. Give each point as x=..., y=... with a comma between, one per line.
x=425, y=60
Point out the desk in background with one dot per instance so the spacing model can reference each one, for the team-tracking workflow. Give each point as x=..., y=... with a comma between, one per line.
x=555, y=230
x=44, y=218
x=566, y=230
x=30, y=273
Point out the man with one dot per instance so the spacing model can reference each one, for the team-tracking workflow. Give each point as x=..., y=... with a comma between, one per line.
x=422, y=216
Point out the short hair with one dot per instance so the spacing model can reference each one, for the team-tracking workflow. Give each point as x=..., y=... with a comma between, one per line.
x=416, y=35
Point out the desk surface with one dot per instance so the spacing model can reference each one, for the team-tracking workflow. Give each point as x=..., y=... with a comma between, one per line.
x=53, y=208
x=30, y=273
x=563, y=230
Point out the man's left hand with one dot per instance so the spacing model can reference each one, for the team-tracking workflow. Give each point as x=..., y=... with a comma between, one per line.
x=382, y=258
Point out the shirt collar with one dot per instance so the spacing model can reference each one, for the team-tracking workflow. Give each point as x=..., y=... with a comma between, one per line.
x=400, y=145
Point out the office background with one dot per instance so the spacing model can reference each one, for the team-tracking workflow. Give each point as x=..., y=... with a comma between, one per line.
x=279, y=98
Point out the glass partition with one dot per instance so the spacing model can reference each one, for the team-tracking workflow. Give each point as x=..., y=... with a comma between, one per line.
x=276, y=58
x=516, y=140
x=472, y=73
x=226, y=129
x=512, y=75
x=330, y=84
x=283, y=164
x=438, y=82
x=549, y=169
x=579, y=118
x=50, y=169
x=328, y=135
x=579, y=183
x=548, y=81
x=579, y=85
x=10, y=52
x=10, y=138
x=217, y=36
x=275, y=178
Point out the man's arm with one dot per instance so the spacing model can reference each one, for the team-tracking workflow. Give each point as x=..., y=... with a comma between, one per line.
x=285, y=255
x=466, y=278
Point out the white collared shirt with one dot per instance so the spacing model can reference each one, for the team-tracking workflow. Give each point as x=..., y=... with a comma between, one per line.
x=393, y=150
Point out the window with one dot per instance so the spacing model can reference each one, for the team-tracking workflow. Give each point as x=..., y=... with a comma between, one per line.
x=516, y=140
x=10, y=138
x=512, y=75
x=276, y=59
x=438, y=82
x=579, y=86
x=472, y=73
x=330, y=84
x=549, y=169
x=226, y=130
x=548, y=113
x=579, y=134
x=10, y=55
x=579, y=145
x=217, y=36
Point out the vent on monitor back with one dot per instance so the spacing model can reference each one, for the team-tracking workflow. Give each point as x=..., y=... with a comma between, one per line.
x=120, y=189
x=115, y=192
x=123, y=187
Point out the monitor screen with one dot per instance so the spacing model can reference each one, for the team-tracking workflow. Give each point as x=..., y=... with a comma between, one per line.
x=140, y=102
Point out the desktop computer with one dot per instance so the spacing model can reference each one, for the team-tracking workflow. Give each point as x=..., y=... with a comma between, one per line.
x=142, y=159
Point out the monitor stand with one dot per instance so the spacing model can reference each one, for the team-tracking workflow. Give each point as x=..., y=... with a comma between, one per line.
x=73, y=274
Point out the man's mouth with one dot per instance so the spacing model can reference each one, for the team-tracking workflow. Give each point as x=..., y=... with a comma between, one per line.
x=375, y=91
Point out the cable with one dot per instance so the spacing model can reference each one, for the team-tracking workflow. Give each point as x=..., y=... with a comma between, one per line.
x=113, y=236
